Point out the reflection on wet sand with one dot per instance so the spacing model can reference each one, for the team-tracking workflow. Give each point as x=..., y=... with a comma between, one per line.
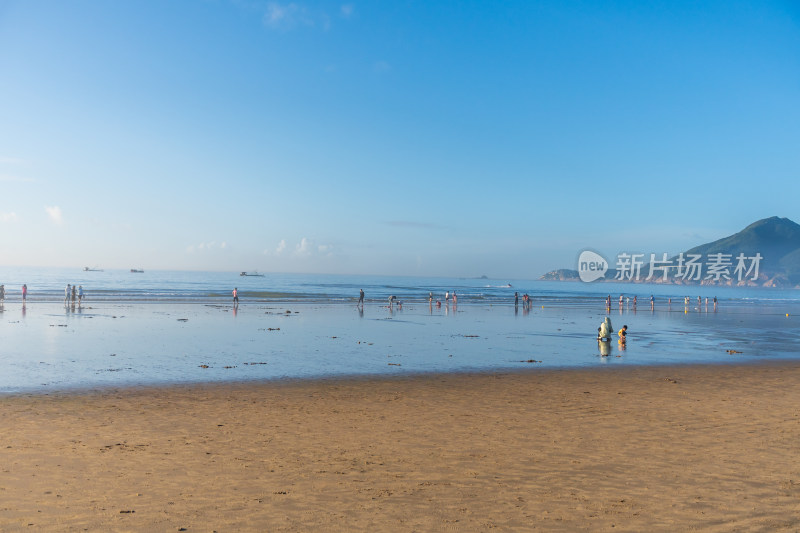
x=168, y=343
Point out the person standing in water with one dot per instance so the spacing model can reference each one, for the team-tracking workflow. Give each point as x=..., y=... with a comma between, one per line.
x=605, y=330
x=361, y=298
x=2, y=294
x=24, y=293
x=66, y=294
x=235, y=296
x=80, y=294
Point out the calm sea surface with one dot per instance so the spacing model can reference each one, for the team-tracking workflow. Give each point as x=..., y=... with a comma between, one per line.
x=164, y=327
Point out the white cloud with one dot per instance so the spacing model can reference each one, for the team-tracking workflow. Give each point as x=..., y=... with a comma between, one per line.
x=290, y=15
x=287, y=16
x=55, y=214
x=277, y=14
x=303, y=247
x=206, y=246
x=278, y=250
x=381, y=67
x=307, y=248
x=347, y=10
x=8, y=217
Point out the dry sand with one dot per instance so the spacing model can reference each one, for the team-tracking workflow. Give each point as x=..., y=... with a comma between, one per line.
x=637, y=449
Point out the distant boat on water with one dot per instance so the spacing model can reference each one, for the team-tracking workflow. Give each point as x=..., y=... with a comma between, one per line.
x=252, y=274
x=137, y=271
x=87, y=269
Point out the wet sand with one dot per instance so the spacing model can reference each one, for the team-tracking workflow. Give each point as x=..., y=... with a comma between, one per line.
x=713, y=448
x=131, y=344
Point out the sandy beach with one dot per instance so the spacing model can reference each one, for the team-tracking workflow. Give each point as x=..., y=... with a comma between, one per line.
x=712, y=448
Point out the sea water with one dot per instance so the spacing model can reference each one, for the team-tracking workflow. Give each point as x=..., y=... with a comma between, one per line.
x=181, y=327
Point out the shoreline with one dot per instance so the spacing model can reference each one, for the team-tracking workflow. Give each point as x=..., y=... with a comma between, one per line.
x=346, y=379
x=665, y=448
x=50, y=349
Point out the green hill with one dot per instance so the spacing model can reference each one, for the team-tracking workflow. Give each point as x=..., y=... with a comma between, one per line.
x=562, y=274
x=773, y=237
x=776, y=239
x=765, y=253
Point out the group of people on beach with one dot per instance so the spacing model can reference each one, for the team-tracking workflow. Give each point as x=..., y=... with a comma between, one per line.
x=447, y=297
x=527, y=301
x=687, y=301
x=627, y=301
x=73, y=293
x=3, y=294
x=394, y=301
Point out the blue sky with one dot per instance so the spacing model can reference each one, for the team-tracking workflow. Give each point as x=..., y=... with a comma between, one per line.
x=420, y=138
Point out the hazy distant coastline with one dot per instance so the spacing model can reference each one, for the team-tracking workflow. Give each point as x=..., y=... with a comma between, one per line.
x=769, y=250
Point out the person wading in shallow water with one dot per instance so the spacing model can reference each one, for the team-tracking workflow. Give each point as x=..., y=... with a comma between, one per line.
x=235, y=296
x=623, y=333
x=361, y=298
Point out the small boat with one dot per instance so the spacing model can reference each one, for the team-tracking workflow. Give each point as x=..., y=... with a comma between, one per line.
x=137, y=271
x=253, y=274
x=87, y=269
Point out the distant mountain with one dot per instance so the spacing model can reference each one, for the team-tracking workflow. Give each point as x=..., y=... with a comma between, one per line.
x=562, y=274
x=776, y=239
x=765, y=253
